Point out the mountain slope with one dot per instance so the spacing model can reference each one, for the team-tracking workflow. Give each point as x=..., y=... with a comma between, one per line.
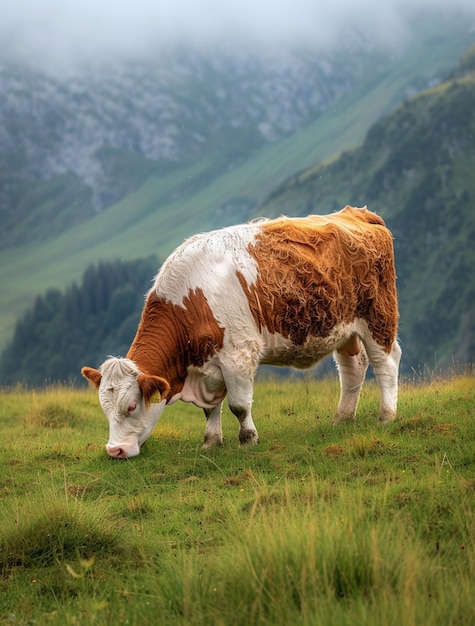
x=224, y=145
x=416, y=168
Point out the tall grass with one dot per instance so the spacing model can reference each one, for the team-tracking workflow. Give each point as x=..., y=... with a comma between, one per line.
x=355, y=524
x=321, y=564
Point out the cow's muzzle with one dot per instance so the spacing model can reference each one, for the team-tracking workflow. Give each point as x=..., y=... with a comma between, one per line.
x=122, y=452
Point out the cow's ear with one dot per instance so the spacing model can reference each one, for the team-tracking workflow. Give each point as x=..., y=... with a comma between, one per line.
x=149, y=385
x=92, y=375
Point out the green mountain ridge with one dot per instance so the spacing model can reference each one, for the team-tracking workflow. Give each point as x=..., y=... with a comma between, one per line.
x=416, y=167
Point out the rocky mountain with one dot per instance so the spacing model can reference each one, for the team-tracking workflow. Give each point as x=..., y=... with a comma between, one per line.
x=78, y=128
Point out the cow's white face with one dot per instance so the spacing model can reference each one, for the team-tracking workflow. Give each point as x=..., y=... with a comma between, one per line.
x=125, y=396
x=130, y=421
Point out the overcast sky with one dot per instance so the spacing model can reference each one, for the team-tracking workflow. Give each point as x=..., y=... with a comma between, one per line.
x=49, y=31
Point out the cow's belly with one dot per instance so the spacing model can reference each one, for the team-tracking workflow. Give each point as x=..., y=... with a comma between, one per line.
x=277, y=350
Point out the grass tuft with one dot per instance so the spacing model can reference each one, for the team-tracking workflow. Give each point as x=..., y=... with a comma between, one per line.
x=51, y=415
x=364, y=445
x=56, y=533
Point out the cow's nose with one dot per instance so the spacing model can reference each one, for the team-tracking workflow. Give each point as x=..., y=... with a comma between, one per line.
x=117, y=452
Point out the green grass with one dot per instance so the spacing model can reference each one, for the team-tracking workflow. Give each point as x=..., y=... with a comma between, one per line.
x=355, y=524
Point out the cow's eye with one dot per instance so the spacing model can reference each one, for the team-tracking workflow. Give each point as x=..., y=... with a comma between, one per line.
x=131, y=408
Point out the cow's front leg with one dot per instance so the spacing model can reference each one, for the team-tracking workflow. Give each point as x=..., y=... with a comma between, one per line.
x=240, y=403
x=213, y=431
x=247, y=430
x=239, y=380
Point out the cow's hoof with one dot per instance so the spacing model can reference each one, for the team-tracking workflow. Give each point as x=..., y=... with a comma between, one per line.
x=386, y=416
x=212, y=442
x=343, y=417
x=248, y=437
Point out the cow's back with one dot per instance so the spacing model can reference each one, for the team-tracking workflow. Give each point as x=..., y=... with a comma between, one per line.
x=294, y=276
x=209, y=261
x=319, y=272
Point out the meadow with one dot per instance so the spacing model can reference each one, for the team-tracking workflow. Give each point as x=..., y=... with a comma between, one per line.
x=316, y=525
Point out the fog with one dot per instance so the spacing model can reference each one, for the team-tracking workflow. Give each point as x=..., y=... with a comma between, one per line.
x=61, y=32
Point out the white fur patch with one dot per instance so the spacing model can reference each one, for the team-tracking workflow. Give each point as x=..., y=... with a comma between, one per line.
x=209, y=262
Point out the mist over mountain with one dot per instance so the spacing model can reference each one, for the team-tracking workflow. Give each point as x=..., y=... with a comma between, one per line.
x=173, y=110
x=60, y=37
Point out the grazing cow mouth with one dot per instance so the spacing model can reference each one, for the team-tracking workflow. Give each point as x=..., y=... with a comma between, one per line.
x=122, y=452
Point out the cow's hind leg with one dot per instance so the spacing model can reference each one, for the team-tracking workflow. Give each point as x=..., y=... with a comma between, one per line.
x=213, y=431
x=352, y=363
x=386, y=370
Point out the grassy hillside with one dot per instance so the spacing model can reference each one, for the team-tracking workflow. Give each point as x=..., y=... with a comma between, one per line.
x=225, y=185
x=315, y=525
x=415, y=168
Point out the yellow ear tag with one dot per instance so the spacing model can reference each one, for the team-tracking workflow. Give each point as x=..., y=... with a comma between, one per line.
x=156, y=398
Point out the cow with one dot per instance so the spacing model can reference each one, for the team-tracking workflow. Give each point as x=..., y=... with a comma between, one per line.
x=284, y=291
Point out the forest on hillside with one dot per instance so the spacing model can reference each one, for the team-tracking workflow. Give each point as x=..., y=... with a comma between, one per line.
x=81, y=325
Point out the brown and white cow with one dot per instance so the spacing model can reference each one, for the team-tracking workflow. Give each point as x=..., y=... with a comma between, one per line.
x=287, y=291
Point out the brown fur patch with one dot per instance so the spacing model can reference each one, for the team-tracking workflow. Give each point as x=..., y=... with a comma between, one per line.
x=150, y=385
x=93, y=375
x=170, y=338
x=317, y=272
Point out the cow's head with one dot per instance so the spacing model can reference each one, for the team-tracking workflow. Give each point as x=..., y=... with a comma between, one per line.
x=126, y=396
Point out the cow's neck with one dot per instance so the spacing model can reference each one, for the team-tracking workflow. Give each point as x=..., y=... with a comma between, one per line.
x=157, y=347
x=171, y=337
